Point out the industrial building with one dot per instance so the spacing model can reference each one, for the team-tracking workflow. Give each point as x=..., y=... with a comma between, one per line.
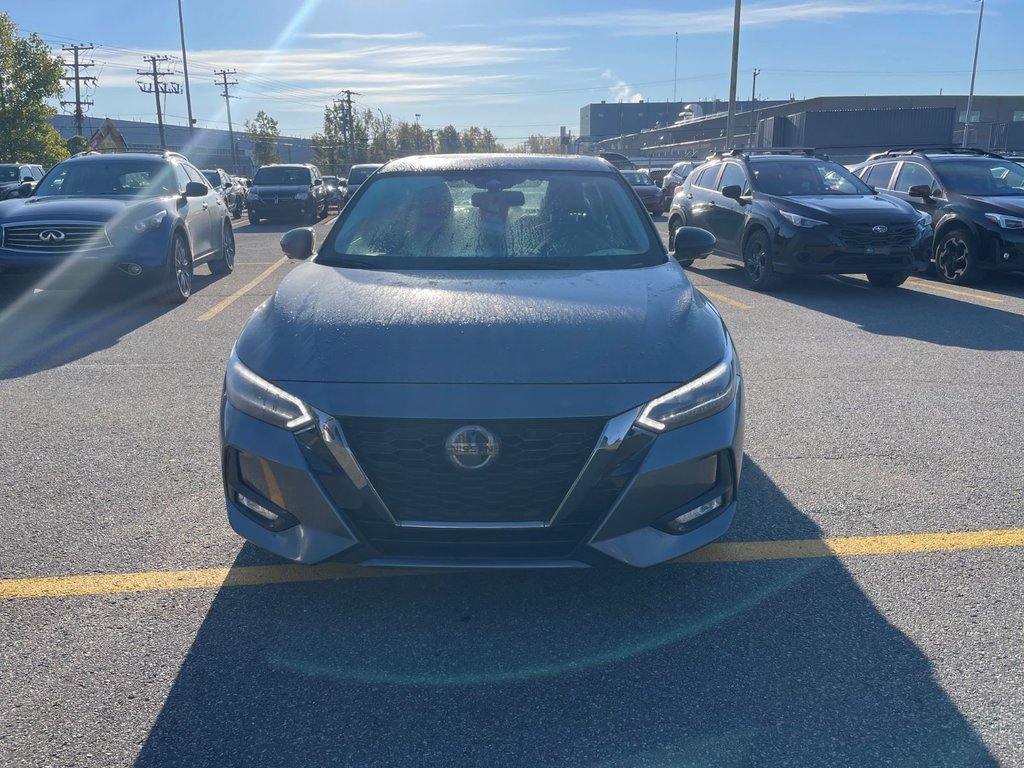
x=604, y=120
x=204, y=147
x=846, y=127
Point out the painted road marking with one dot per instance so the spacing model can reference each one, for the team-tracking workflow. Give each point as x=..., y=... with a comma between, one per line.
x=724, y=552
x=953, y=291
x=224, y=304
x=723, y=299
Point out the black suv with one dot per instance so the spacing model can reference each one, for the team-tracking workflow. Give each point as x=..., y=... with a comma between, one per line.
x=14, y=175
x=797, y=211
x=975, y=200
x=287, y=191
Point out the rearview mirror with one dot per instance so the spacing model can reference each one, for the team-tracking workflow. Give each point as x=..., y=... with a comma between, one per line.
x=923, y=191
x=692, y=243
x=732, y=191
x=195, y=189
x=298, y=243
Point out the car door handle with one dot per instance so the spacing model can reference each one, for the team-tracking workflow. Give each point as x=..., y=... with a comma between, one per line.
x=711, y=204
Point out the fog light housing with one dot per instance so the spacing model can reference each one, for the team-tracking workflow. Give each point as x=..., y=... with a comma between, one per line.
x=685, y=521
x=262, y=513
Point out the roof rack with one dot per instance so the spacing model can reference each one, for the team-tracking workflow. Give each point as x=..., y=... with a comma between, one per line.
x=746, y=151
x=113, y=151
x=938, y=149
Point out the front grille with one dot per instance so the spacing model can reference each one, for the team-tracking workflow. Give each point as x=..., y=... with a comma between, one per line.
x=406, y=462
x=54, y=238
x=860, y=236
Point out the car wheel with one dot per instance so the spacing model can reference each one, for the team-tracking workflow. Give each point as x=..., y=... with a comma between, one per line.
x=253, y=218
x=178, y=278
x=955, y=257
x=757, y=262
x=226, y=261
x=237, y=213
x=887, y=279
x=313, y=216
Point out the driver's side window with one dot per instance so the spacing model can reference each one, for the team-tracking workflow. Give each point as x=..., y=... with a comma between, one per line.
x=181, y=178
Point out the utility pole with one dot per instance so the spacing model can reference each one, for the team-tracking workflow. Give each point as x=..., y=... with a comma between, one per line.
x=348, y=123
x=418, y=133
x=223, y=75
x=76, y=77
x=675, y=69
x=184, y=65
x=753, y=112
x=730, y=124
x=974, y=72
x=157, y=87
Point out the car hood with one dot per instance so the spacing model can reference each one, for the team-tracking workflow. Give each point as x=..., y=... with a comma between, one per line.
x=875, y=209
x=328, y=324
x=1012, y=205
x=75, y=208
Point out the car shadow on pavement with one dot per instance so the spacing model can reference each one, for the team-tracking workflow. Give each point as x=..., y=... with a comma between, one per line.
x=784, y=662
x=48, y=329
x=946, y=320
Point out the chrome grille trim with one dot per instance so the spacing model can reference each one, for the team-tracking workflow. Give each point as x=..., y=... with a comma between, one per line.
x=79, y=236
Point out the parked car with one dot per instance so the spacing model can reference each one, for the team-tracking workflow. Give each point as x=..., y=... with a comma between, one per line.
x=234, y=194
x=648, y=192
x=335, y=192
x=287, y=191
x=657, y=174
x=18, y=179
x=357, y=175
x=492, y=359
x=676, y=176
x=147, y=218
x=974, y=198
x=797, y=212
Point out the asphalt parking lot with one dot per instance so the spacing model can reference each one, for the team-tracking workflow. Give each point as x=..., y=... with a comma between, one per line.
x=866, y=608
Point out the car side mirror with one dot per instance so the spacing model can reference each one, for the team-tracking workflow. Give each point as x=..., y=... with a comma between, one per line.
x=732, y=191
x=228, y=184
x=923, y=191
x=318, y=182
x=298, y=243
x=692, y=243
x=25, y=188
x=26, y=178
x=195, y=189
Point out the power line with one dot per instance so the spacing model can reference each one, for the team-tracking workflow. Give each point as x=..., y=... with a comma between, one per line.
x=157, y=87
x=77, y=66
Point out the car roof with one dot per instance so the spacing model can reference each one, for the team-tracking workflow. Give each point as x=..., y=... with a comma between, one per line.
x=497, y=162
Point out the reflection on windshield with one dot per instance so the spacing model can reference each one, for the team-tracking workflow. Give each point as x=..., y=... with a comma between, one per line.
x=114, y=177
x=287, y=177
x=791, y=178
x=533, y=219
x=9, y=173
x=970, y=176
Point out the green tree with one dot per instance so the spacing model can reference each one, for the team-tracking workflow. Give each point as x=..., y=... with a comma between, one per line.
x=77, y=144
x=448, y=141
x=29, y=76
x=263, y=134
x=329, y=146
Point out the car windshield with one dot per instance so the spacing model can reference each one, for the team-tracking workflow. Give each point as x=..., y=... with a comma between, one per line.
x=359, y=175
x=330, y=180
x=8, y=173
x=495, y=219
x=980, y=176
x=213, y=177
x=798, y=177
x=286, y=177
x=637, y=178
x=99, y=177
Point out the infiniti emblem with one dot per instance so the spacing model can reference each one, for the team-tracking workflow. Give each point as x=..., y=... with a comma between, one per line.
x=880, y=229
x=51, y=235
x=472, y=447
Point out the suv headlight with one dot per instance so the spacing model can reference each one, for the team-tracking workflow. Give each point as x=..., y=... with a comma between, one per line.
x=262, y=400
x=708, y=394
x=1005, y=222
x=301, y=195
x=150, y=222
x=801, y=221
x=924, y=220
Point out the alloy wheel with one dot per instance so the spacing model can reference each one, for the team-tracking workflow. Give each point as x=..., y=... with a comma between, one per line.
x=182, y=267
x=953, y=260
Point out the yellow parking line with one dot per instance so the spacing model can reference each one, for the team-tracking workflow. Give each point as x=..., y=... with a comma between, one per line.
x=726, y=552
x=222, y=305
x=724, y=299
x=954, y=291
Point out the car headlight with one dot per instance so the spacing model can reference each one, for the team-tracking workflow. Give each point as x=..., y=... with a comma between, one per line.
x=262, y=400
x=708, y=394
x=150, y=222
x=801, y=221
x=924, y=220
x=301, y=195
x=1005, y=222
x=253, y=196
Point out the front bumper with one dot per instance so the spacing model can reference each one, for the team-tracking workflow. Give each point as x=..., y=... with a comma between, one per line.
x=1002, y=250
x=821, y=251
x=614, y=510
x=148, y=250
x=282, y=207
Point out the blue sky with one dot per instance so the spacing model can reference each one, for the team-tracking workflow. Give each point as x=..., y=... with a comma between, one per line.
x=525, y=67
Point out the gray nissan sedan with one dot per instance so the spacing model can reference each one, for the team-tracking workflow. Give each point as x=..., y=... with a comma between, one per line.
x=490, y=361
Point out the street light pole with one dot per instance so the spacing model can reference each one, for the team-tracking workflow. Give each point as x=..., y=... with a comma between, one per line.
x=753, y=113
x=974, y=72
x=731, y=119
x=184, y=65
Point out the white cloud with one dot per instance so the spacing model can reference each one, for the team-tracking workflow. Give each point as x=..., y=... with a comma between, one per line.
x=363, y=35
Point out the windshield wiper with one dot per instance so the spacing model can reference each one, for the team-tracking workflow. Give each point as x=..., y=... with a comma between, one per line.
x=350, y=263
x=517, y=264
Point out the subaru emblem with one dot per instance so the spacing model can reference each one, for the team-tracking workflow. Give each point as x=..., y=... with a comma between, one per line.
x=879, y=229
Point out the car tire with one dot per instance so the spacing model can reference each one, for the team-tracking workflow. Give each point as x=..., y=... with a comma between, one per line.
x=237, y=213
x=313, y=216
x=673, y=226
x=253, y=218
x=177, y=278
x=887, y=279
x=757, y=262
x=225, y=263
x=956, y=259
